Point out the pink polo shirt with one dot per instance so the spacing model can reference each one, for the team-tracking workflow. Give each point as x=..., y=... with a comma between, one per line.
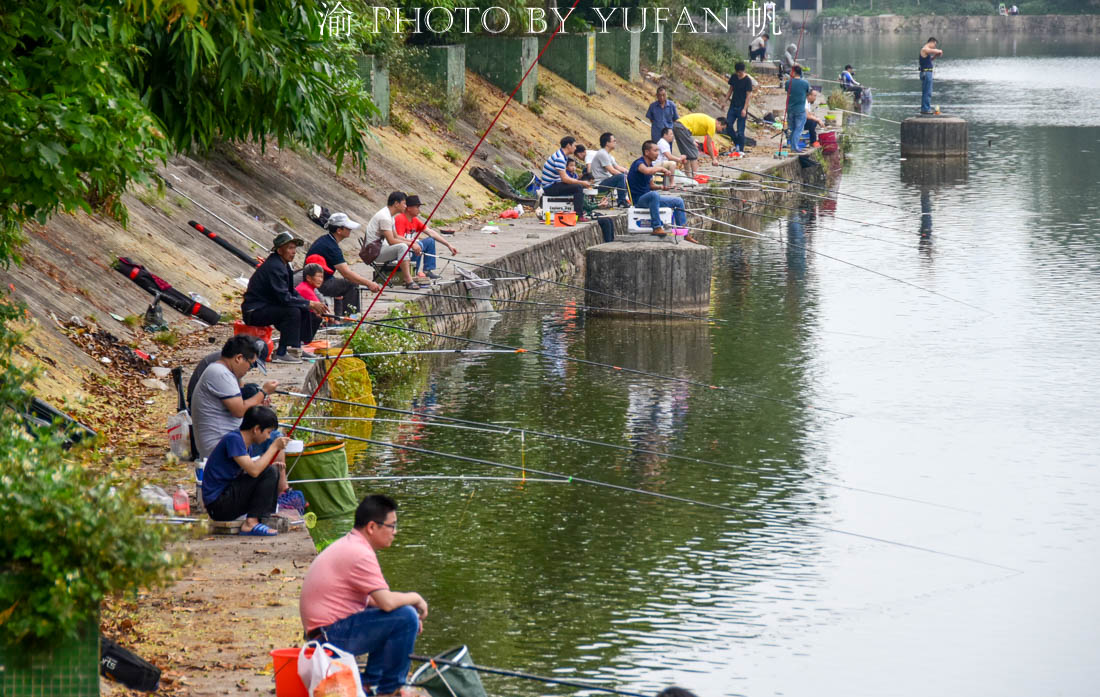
x=339, y=581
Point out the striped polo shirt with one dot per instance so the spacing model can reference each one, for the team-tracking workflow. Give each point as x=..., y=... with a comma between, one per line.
x=554, y=164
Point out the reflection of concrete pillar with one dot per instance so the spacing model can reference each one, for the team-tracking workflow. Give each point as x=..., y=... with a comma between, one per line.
x=787, y=6
x=820, y=6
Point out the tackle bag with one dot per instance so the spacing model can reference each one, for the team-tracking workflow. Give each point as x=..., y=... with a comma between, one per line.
x=168, y=295
x=319, y=214
x=126, y=667
x=329, y=676
x=370, y=251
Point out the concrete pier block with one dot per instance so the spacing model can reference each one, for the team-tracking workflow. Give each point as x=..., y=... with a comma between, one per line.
x=670, y=276
x=446, y=67
x=620, y=50
x=503, y=60
x=573, y=57
x=933, y=172
x=376, y=79
x=933, y=136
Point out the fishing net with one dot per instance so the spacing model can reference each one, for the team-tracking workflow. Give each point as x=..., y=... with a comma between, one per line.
x=350, y=381
x=449, y=681
x=332, y=503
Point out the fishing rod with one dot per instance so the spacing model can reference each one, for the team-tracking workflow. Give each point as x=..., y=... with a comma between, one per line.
x=858, y=113
x=812, y=186
x=517, y=674
x=797, y=210
x=562, y=284
x=794, y=209
x=504, y=429
x=583, y=361
x=650, y=493
x=429, y=477
x=215, y=215
x=417, y=352
x=757, y=236
x=558, y=305
x=461, y=427
x=226, y=245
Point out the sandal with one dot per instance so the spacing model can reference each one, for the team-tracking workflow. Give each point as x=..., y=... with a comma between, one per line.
x=412, y=286
x=259, y=530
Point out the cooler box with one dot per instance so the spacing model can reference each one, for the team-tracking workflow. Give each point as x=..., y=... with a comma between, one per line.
x=264, y=333
x=638, y=220
x=557, y=204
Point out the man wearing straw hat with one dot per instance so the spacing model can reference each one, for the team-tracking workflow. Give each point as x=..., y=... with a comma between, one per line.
x=347, y=602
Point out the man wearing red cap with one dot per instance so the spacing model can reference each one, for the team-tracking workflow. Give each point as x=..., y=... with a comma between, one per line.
x=345, y=289
x=407, y=224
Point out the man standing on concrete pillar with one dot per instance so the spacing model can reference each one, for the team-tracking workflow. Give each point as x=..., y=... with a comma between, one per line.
x=928, y=53
x=758, y=49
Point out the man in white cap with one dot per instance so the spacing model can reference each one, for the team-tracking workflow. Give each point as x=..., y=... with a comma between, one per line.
x=270, y=299
x=344, y=290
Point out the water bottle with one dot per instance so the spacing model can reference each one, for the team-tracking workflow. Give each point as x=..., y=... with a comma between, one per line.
x=181, y=505
x=199, y=467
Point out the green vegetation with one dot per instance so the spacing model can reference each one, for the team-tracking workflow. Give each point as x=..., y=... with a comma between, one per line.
x=451, y=155
x=169, y=337
x=426, y=153
x=386, y=370
x=535, y=108
x=719, y=56
x=846, y=8
x=400, y=123
x=839, y=99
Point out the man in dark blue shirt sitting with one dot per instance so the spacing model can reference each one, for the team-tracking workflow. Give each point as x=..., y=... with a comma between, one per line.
x=344, y=290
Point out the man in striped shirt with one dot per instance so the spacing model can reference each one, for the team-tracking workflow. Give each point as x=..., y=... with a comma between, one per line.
x=557, y=182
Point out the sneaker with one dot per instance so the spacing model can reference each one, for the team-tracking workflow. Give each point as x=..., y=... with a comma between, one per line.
x=294, y=351
x=285, y=358
x=433, y=275
x=583, y=219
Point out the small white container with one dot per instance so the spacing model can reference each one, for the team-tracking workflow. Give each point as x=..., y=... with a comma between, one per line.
x=295, y=447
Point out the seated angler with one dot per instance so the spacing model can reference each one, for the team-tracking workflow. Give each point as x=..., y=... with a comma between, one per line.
x=557, y=182
x=407, y=224
x=345, y=289
x=812, y=119
x=233, y=484
x=848, y=83
x=313, y=277
x=606, y=171
x=665, y=158
x=645, y=192
x=216, y=401
x=270, y=299
x=346, y=601
x=382, y=226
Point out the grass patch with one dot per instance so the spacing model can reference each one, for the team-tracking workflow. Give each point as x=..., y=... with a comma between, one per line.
x=451, y=155
x=388, y=369
x=400, y=123
x=715, y=55
x=132, y=321
x=426, y=153
x=169, y=337
x=839, y=99
x=535, y=108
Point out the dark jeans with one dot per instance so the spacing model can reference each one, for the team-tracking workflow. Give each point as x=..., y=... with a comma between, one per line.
x=735, y=128
x=255, y=497
x=811, y=128
x=288, y=320
x=574, y=190
x=757, y=53
x=343, y=292
x=386, y=637
x=616, y=182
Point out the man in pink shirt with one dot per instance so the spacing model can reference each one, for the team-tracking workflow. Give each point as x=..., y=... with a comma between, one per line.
x=347, y=602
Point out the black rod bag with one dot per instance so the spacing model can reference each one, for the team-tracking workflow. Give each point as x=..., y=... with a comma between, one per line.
x=169, y=295
x=226, y=245
x=125, y=667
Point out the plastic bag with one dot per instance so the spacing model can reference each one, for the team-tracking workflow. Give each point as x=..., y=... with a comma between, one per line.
x=316, y=670
x=178, y=435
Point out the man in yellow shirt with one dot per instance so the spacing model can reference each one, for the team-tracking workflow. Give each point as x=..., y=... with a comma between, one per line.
x=685, y=131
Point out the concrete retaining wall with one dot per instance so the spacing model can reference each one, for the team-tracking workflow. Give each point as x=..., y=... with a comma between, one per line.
x=573, y=57
x=620, y=50
x=503, y=60
x=376, y=79
x=445, y=66
x=652, y=48
x=934, y=26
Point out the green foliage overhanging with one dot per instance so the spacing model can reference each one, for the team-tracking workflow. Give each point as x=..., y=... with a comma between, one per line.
x=93, y=93
x=72, y=535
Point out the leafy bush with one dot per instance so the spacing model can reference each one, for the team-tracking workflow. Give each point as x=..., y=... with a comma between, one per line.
x=377, y=339
x=838, y=99
x=71, y=535
x=719, y=56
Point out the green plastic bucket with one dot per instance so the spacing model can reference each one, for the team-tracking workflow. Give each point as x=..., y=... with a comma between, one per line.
x=332, y=503
x=450, y=681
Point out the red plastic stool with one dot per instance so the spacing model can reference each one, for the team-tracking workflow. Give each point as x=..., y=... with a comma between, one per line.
x=264, y=333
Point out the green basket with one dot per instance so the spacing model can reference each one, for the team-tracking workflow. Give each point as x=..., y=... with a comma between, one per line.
x=450, y=681
x=69, y=669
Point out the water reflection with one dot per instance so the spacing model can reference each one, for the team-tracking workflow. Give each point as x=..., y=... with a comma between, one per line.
x=929, y=175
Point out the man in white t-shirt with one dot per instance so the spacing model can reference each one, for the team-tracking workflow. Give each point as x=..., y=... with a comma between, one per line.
x=665, y=158
x=606, y=172
x=393, y=246
x=812, y=120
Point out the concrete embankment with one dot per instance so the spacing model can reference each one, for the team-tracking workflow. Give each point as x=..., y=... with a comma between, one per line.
x=954, y=24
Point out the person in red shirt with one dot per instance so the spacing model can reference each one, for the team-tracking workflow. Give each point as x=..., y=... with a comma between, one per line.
x=407, y=224
x=313, y=275
x=346, y=601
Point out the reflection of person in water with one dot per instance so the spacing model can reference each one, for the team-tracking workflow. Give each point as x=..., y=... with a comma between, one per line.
x=796, y=244
x=925, y=244
x=655, y=417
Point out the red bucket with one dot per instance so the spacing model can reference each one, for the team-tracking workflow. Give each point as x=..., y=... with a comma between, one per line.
x=827, y=137
x=287, y=682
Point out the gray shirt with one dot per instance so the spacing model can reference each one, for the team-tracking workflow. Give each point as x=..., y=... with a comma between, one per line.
x=199, y=370
x=600, y=163
x=209, y=416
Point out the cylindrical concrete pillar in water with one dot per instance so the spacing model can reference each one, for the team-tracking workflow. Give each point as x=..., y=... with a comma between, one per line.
x=933, y=136
x=670, y=276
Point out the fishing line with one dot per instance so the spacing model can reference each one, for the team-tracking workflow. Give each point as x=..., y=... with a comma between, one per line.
x=584, y=361
x=758, y=236
x=409, y=246
x=429, y=477
x=218, y=217
x=408, y=422
x=831, y=215
x=813, y=186
x=525, y=676
x=653, y=494
x=504, y=429
x=857, y=113
x=815, y=223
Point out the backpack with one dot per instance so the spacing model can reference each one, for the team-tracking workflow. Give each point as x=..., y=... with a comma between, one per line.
x=318, y=214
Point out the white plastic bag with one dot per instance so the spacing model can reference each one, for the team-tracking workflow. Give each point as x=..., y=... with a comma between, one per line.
x=178, y=435
x=313, y=669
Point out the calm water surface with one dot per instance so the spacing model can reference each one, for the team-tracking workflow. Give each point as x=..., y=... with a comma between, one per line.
x=989, y=413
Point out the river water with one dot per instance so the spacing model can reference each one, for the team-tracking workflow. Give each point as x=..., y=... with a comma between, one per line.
x=983, y=412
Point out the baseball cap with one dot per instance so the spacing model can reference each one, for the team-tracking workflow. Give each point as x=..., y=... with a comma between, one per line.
x=341, y=220
x=320, y=261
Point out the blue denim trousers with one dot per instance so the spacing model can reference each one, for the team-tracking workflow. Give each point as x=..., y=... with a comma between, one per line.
x=655, y=202
x=735, y=128
x=926, y=90
x=386, y=637
x=427, y=245
x=616, y=182
x=797, y=123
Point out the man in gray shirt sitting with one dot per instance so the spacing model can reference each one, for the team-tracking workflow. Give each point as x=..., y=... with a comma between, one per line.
x=606, y=172
x=216, y=404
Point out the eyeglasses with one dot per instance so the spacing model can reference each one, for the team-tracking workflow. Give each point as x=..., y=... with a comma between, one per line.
x=392, y=526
